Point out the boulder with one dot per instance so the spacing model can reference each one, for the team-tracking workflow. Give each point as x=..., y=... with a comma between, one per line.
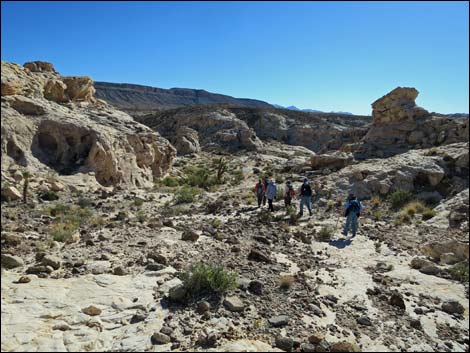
x=345, y=347
x=11, y=261
x=453, y=307
x=10, y=193
x=234, y=304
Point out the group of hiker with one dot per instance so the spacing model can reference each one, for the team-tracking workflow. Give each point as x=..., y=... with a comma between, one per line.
x=267, y=191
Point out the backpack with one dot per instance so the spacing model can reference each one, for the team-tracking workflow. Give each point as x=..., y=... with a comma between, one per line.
x=355, y=207
x=290, y=192
x=306, y=190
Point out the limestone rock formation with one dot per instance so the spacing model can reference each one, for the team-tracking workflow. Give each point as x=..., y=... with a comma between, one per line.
x=234, y=128
x=215, y=129
x=417, y=170
x=397, y=105
x=39, y=66
x=51, y=122
x=400, y=125
x=186, y=140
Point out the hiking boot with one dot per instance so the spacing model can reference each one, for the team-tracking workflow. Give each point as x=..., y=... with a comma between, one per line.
x=344, y=233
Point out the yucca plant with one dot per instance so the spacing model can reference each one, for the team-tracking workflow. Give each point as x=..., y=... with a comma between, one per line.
x=26, y=176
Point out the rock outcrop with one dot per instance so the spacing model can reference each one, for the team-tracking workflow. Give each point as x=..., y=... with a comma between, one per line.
x=400, y=125
x=210, y=129
x=50, y=122
x=418, y=171
x=235, y=128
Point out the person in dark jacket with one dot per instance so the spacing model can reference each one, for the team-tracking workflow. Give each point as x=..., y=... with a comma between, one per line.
x=260, y=191
x=352, y=211
x=305, y=195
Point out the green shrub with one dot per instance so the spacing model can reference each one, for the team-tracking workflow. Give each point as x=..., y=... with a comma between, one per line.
x=138, y=202
x=141, y=216
x=325, y=234
x=221, y=167
x=208, y=279
x=200, y=177
x=170, y=182
x=459, y=272
x=59, y=210
x=186, y=194
x=84, y=202
x=428, y=213
x=378, y=215
x=265, y=217
x=216, y=223
x=399, y=198
x=63, y=231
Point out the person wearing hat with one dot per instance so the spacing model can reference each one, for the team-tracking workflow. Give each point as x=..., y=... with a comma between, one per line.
x=352, y=211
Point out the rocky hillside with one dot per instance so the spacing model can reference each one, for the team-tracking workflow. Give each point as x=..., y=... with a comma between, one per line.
x=52, y=123
x=138, y=99
x=112, y=242
x=238, y=128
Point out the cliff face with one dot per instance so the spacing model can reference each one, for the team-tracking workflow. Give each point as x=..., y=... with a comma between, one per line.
x=137, y=99
x=54, y=123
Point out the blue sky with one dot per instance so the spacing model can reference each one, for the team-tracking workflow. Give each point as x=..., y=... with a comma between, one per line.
x=319, y=55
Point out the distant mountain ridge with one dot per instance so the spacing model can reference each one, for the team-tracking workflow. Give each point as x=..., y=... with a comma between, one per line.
x=140, y=99
x=293, y=107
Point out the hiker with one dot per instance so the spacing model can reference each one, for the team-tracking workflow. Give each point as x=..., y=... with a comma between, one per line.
x=260, y=190
x=352, y=210
x=305, y=195
x=265, y=182
x=289, y=193
x=271, y=192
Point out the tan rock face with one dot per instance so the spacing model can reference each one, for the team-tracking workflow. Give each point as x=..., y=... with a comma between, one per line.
x=82, y=137
x=186, y=141
x=39, y=66
x=397, y=105
x=79, y=88
x=400, y=125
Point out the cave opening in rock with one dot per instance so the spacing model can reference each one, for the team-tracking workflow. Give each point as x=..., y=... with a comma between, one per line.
x=421, y=183
x=64, y=150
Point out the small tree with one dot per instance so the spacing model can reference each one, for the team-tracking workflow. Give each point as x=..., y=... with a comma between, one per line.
x=221, y=167
x=26, y=176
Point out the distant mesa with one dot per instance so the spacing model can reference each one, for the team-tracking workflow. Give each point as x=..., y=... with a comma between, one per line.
x=138, y=99
x=293, y=107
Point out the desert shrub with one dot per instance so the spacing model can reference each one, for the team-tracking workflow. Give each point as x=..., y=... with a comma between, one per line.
x=63, y=231
x=291, y=212
x=413, y=208
x=378, y=215
x=375, y=202
x=459, y=272
x=84, y=202
x=428, y=213
x=122, y=216
x=58, y=210
x=402, y=218
x=265, y=217
x=325, y=234
x=216, y=223
x=138, y=202
x=221, y=167
x=237, y=176
x=141, y=216
x=97, y=222
x=286, y=282
x=399, y=198
x=172, y=211
x=208, y=279
x=186, y=194
x=200, y=177
x=49, y=196
x=170, y=182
